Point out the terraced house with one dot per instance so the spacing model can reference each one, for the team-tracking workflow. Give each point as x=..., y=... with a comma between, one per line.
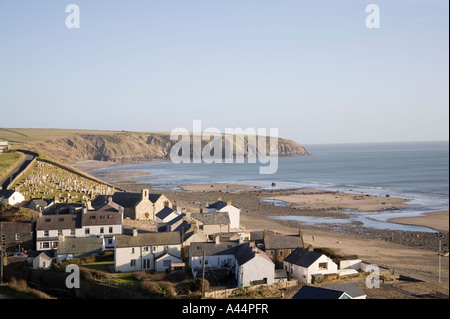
x=147, y=251
x=76, y=221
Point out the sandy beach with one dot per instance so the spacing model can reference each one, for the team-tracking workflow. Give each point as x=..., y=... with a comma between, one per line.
x=434, y=220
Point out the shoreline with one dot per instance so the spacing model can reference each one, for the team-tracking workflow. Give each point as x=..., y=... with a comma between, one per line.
x=437, y=220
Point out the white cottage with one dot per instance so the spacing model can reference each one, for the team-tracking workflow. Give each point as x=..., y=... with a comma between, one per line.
x=253, y=266
x=302, y=264
x=234, y=212
x=147, y=251
x=11, y=197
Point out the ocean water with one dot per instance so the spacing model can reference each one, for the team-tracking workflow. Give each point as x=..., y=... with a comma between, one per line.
x=417, y=171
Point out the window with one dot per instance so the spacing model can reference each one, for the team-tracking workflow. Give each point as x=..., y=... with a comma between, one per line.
x=110, y=241
x=146, y=264
x=46, y=233
x=323, y=265
x=45, y=245
x=132, y=250
x=61, y=219
x=102, y=217
x=281, y=253
x=133, y=263
x=17, y=237
x=47, y=220
x=87, y=231
x=146, y=248
x=92, y=217
x=110, y=230
x=60, y=232
x=102, y=230
x=72, y=232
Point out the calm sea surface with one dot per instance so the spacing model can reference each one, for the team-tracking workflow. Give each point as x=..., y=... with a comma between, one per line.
x=416, y=171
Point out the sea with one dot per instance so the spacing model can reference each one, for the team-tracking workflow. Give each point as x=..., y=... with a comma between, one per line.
x=416, y=171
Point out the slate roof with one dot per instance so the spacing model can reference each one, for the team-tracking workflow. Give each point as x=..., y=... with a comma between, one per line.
x=310, y=292
x=108, y=214
x=219, y=218
x=163, y=213
x=80, y=245
x=303, y=257
x=349, y=288
x=245, y=253
x=148, y=239
x=217, y=205
x=125, y=199
x=9, y=228
x=282, y=242
x=60, y=221
x=212, y=249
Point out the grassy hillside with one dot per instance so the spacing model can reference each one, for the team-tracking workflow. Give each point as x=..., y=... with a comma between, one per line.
x=71, y=146
x=9, y=213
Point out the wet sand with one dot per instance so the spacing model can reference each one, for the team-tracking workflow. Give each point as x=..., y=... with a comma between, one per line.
x=435, y=220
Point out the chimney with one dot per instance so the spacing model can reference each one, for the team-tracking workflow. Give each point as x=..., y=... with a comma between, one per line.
x=89, y=205
x=229, y=202
x=201, y=209
x=61, y=238
x=264, y=235
x=174, y=206
x=219, y=198
x=300, y=234
x=310, y=248
x=135, y=232
x=217, y=239
x=241, y=238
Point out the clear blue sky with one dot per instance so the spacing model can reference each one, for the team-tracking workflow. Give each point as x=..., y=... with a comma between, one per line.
x=309, y=68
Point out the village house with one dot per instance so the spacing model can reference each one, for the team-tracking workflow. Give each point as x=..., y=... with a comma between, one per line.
x=217, y=255
x=234, y=212
x=4, y=147
x=308, y=266
x=69, y=248
x=248, y=264
x=16, y=236
x=147, y=251
x=211, y=223
x=11, y=197
x=342, y=291
x=165, y=215
x=40, y=204
x=138, y=206
x=253, y=266
x=74, y=220
x=41, y=259
x=278, y=247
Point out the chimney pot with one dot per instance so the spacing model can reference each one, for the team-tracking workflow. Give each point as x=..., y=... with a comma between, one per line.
x=135, y=232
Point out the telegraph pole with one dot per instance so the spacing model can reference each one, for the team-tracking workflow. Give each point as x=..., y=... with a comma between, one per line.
x=203, y=275
x=439, y=254
x=1, y=253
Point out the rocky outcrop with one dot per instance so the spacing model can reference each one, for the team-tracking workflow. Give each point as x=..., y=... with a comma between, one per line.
x=130, y=147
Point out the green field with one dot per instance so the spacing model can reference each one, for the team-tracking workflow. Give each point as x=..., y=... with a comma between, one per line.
x=18, y=137
x=7, y=162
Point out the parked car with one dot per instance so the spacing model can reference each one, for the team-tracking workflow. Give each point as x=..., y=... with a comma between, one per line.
x=17, y=255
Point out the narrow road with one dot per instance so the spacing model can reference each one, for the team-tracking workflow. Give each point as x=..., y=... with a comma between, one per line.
x=6, y=181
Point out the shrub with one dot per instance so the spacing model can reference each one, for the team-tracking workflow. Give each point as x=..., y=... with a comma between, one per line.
x=22, y=286
x=162, y=289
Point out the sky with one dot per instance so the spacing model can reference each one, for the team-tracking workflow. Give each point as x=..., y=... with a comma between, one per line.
x=311, y=69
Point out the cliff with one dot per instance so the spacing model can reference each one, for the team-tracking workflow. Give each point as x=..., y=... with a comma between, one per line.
x=128, y=147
